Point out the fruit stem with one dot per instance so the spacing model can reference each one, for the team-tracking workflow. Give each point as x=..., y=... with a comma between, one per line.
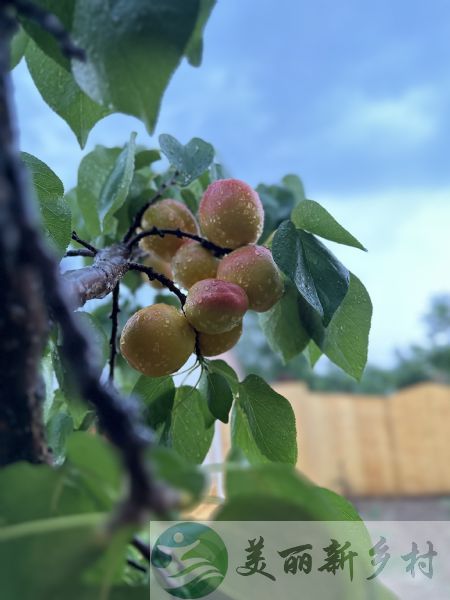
x=88, y=246
x=140, y=213
x=80, y=252
x=217, y=250
x=151, y=274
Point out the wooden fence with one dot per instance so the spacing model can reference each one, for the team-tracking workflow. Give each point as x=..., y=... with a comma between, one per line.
x=373, y=445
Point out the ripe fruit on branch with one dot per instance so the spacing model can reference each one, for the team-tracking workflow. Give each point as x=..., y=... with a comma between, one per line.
x=214, y=344
x=231, y=213
x=215, y=306
x=167, y=214
x=193, y=263
x=157, y=340
x=160, y=266
x=253, y=268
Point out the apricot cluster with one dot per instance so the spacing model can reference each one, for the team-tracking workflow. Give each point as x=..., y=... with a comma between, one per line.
x=159, y=339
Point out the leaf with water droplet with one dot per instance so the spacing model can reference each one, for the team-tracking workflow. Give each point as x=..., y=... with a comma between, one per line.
x=190, y=160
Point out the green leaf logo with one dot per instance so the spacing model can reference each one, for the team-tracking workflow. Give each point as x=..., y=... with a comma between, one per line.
x=189, y=560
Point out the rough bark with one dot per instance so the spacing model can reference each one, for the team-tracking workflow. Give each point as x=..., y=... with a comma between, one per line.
x=23, y=318
x=99, y=279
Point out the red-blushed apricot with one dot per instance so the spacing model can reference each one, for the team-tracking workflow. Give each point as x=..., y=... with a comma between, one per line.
x=193, y=263
x=160, y=266
x=215, y=306
x=157, y=340
x=214, y=344
x=231, y=213
x=253, y=268
x=167, y=214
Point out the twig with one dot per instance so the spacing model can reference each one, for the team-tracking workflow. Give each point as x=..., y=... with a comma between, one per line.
x=114, y=316
x=151, y=274
x=217, y=250
x=88, y=246
x=50, y=23
x=81, y=252
x=140, y=213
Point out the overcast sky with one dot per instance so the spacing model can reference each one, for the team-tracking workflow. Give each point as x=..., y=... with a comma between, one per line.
x=353, y=96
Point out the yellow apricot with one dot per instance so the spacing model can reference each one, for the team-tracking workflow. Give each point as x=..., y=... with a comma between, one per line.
x=157, y=340
x=214, y=344
x=215, y=306
x=253, y=268
x=193, y=263
x=231, y=213
x=167, y=214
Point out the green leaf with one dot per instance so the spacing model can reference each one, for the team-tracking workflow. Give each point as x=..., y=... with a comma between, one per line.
x=68, y=394
x=116, y=187
x=283, y=326
x=55, y=211
x=277, y=492
x=338, y=508
x=320, y=278
x=157, y=394
x=60, y=91
x=218, y=171
x=268, y=421
x=295, y=185
x=93, y=173
x=219, y=396
x=191, y=200
x=63, y=10
x=59, y=427
x=144, y=158
x=347, y=337
x=99, y=339
x=47, y=519
x=194, y=50
x=312, y=217
x=21, y=480
x=278, y=203
x=277, y=484
x=345, y=340
x=313, y=353
x=178, y=473
x=18, y=47
x=132, y=50
x=190, y=436
x=190, y=160
x=242, y=440
x=98, y=467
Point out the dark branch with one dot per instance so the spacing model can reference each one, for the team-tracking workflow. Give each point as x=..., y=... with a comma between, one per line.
x=23, y=318
x=114, y=316
x=88, y=246
x=99, y=279
x=216, y=250
x=136, y=565
x=81, y=252
x=50, y=23
x=119, y=417
x=166, y=282
x=138, y=216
